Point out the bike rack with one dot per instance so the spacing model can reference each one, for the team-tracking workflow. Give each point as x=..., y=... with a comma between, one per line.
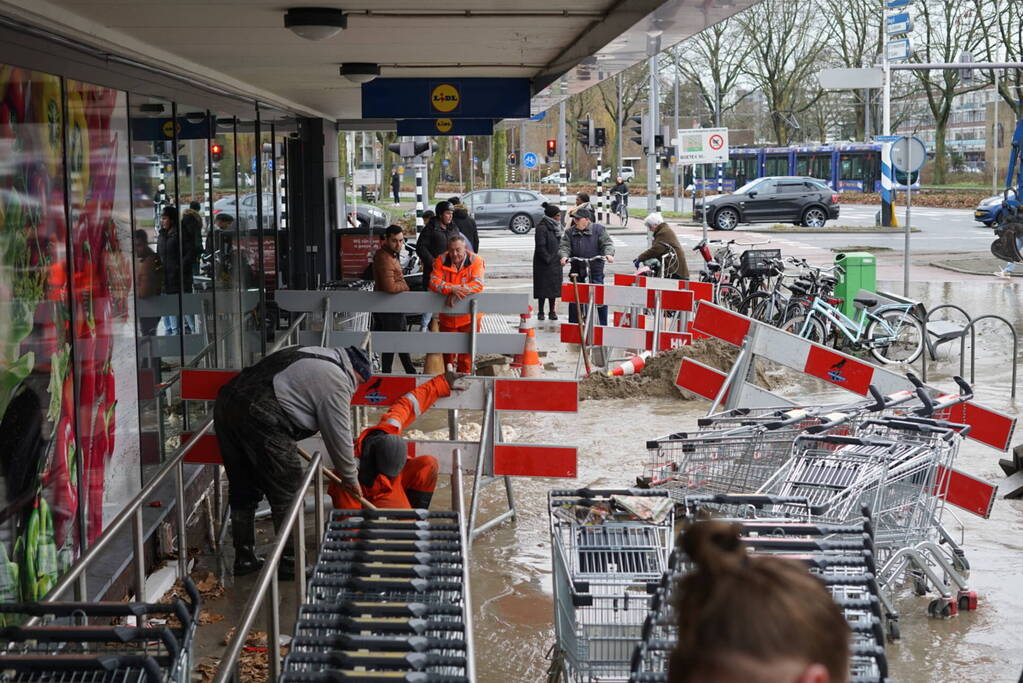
x=973, y=348
x=932, y=347
x=969, y=328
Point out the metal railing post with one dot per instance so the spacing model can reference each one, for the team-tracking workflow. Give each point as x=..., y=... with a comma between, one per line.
x=139, y=555
x=320, y=518
x=300, y=555
x=182, y=522
x=273, y=630
x=473, y=307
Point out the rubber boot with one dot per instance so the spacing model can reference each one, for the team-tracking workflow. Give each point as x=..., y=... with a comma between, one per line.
x=419, y=500
x=243, y=531
x=286, y=568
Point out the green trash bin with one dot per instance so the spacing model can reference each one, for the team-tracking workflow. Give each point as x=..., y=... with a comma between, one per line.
x=859, y=271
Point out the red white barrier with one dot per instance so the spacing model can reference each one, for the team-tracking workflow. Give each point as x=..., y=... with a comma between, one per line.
x=610, y=295
x=625, y=337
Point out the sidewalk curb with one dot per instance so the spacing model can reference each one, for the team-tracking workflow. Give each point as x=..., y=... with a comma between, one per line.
x=948, y=265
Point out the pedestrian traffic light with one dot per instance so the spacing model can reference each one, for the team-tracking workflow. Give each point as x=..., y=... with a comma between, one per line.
x=512, y=159
x=667, y=157
x=216, y=153
x=640, y=130
x=658, y=141
x=584, y=132
x=600, y=137
x=552, y=149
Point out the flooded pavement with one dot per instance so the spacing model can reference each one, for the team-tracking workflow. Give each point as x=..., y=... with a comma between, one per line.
x=512, y=564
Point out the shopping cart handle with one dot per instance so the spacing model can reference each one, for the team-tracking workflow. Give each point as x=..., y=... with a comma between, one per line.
x=914, y=380
x=604, y=493
x=925, y=398
x=965, y=390
x=879, y=400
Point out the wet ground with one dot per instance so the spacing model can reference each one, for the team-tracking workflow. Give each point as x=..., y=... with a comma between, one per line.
x=512, y=564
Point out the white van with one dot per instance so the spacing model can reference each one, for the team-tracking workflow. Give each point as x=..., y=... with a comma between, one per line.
x=626, y=172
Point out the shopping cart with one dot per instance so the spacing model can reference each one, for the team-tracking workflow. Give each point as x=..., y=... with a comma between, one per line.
x=65, y=648
x=840, y=555
x=607, y=546
x=386, y=599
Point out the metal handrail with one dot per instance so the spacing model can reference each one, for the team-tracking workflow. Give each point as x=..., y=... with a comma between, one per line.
x=133, y=511
x=267, y=579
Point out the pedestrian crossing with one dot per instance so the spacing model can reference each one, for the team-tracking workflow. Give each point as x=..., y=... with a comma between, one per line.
x=521, y=243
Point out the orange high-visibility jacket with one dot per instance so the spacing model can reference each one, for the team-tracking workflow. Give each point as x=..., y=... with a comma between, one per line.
x=406, y=409
x=445, y=276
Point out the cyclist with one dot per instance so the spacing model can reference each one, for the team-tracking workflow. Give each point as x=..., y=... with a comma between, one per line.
x=586, y=240
x=620, y=189
x=665, y=241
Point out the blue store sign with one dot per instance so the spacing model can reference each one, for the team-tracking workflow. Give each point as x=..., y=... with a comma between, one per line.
x=454, y=98
x=445, y=126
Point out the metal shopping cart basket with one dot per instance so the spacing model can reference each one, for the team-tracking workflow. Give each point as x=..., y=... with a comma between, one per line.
x=65, y=649
x=607, y=546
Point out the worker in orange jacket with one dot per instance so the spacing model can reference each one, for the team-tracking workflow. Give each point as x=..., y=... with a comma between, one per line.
x=389, y=476
x=457, y=273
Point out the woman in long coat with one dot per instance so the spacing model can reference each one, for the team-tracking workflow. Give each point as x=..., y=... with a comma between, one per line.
x=546, y=261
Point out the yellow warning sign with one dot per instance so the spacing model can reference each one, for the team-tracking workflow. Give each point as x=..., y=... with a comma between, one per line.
x=445, y=98
x=171, y=127
x=444, y=125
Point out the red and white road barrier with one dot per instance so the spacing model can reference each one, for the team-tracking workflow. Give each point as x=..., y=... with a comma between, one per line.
x=639, y=297
x=625, y=337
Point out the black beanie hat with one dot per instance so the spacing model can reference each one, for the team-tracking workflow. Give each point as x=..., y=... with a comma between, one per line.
x=360, y=362
x=382, y=453
x=551, y=210
x=442, y=207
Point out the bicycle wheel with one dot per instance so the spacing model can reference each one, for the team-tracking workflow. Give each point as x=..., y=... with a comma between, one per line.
x=755, y=305
x=795, y=306
x=895, y=337
x=807, y=328
x=728, y=296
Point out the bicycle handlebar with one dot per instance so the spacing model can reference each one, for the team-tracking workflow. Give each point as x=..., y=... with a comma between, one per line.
x=589, y=258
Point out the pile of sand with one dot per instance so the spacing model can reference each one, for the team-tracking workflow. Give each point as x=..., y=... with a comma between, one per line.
x=658, y=377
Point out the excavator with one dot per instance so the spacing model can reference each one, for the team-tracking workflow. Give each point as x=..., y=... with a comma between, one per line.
x=1009, y=230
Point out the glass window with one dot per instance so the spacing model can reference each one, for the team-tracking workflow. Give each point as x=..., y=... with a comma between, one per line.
x=767, y=187
x=500, y=197
x=525, y=197
x=776, y=166
x=104, y=304
x=791, y=188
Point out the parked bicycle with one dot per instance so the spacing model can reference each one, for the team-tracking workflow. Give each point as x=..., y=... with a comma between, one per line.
x=890, y=332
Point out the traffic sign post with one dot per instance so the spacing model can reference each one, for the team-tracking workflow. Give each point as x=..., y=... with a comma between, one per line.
x=908, y=156
x=529, y=160
x=702, y=146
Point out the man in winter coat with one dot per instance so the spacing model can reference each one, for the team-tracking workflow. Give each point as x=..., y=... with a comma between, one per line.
x=390, y=477
x=582, y=201
x=664, y=240
x=395, y=185
x=388, y=277
x=465, y=223
x=433, y=242
x=262, y=414
x=587, y=240
x=546, y=261
x=177, y=253
x=457, y=274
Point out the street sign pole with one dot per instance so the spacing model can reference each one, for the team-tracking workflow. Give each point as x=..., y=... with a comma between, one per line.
x=908, y=155
x=905, y=256
x=703, y=206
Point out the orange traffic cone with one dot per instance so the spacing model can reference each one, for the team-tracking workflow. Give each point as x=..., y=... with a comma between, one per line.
x=528, y=361
x=433, y=364
x=632, y=366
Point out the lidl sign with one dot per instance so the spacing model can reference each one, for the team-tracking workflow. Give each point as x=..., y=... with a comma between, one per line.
x=455, y=98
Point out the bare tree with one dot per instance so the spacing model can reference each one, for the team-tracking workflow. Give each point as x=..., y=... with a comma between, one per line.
x=784, y=55
x=1001, y=31
x=635, y=82
x=713, y=61
x=946, y=28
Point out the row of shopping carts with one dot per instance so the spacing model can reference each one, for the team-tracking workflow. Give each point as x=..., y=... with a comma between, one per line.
x=386, y=600
x=101, y=642
x=892, y=455
x=841, y=556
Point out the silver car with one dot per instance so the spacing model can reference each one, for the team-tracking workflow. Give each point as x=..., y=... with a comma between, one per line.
x=516, y=210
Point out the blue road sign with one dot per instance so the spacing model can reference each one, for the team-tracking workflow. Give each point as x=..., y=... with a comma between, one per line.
x=897, y=24
x=898, y=50
x=538, y=117
x=529, y=160
x=475, y=160
x=255, y=164
x=444, y=162
x=892, y=4
x=270, y=164
x=435, y=98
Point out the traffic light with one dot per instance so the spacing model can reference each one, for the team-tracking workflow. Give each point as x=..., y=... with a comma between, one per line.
x=407, y=149
x=658, y=141
x=584, y=132
x=667, y=157
x=216, y=153
x=512, y=159
x=552, y=149
x=600, y=137
x=640, y=130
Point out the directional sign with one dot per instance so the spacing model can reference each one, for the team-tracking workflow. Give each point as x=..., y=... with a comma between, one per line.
x=529, y=160
x=538, y=117
x=893, y=4
x=898, y=50
x=898, y=24
x=429, y=98
x=702, y=145
x=850, y=79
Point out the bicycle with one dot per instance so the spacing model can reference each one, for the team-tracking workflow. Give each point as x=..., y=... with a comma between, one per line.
x=891, y=333
x=622, y=207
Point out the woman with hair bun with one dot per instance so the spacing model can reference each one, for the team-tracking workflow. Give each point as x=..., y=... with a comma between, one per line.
x=753, y=619
x=547, y=262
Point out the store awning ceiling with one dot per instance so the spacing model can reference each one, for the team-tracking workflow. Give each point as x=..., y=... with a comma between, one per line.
x=242, y=45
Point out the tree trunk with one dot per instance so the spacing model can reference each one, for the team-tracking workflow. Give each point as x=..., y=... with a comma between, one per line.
x=436, y=167
x=498, y=163
x=940, y=156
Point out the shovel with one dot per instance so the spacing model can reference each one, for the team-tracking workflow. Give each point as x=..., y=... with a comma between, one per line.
x=357, y=494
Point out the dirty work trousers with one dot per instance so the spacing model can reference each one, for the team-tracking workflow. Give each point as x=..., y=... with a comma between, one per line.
x=393, y=322
x=418, y=476
x=463, y=360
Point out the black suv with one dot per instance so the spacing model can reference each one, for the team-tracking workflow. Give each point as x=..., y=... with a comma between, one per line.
x=775, y=199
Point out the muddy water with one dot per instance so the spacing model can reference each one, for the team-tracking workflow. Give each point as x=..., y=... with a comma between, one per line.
x=511, y=564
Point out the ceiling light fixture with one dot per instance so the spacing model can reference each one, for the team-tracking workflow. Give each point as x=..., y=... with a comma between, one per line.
x=359, y=72
x=315, y=23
